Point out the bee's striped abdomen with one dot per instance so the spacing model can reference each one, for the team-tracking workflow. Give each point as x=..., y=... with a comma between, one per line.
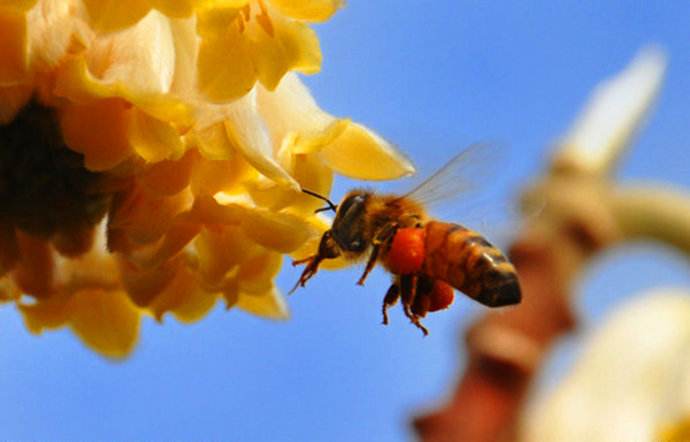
x=468, y=262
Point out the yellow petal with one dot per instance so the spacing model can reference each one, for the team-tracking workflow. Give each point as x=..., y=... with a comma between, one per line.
x=195, y=305
x=231, y=293
x=281, y=232
x=211, y=177
x=306, y=168
x=268, y=305
x=96, y=268
x=13, y=46
x=216, y=17
x=291, y=112
x=174, y=8
x=220, y=250
x=169, y=177
x=111, y=15
x=99, y=131
x=290, y=109
x=154, y=140
x=186, y=51
x=184, y=297
x=315, y=140
x=8, y=291
x=19, y=5
x=312, y=174
x=144, y=284
x=213, y=142
x=246, y=128
x=235, y=52
x=146, y=217
x=309, y=10
x=209, y=4
x=52, y=26
x=208, y=211
x=293, y=46
x=266, y=193
x=383, y=160
x=141, y=57
x=226, y=70
x=184, y=229
x=50, y=313
x=255, y=275
x=677, y=431
x=74, y=81
x=106, y=321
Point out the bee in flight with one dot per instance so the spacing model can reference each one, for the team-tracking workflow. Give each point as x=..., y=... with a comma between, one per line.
x=427, y=258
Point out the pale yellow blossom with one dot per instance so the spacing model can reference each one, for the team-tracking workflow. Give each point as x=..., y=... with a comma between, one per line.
x=138, y=180
x=632, y=380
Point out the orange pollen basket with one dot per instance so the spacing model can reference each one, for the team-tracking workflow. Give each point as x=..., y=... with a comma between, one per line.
x=442, y=296
x=407, y=252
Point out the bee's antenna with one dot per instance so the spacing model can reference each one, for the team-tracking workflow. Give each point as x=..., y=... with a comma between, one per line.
x=330, y=206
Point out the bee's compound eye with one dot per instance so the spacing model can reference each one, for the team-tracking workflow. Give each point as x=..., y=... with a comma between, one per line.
x=349, y=224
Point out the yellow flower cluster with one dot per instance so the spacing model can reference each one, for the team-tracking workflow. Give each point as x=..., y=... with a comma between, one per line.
x=152, y=154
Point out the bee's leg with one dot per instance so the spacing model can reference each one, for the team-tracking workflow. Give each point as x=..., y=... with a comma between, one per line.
x=382, y=236
x=421, y=305
x=407, y=289
x=370, y=264
x=389, y=300
x=408, y=293
x=422, y=298
x=297, y=262
x=328, y=249
x=309, y=271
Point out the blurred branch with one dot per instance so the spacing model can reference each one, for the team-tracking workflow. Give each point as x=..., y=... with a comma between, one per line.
x=612, y=116
x=582, y=212
x=653, y=212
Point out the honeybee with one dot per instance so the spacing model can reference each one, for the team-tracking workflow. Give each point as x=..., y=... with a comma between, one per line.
x=427, y=258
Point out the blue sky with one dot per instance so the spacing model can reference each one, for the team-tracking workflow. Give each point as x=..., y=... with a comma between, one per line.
x=432, y=77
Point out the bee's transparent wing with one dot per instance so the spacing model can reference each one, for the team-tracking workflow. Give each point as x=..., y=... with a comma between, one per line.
x=471, y=189
x=472, y=170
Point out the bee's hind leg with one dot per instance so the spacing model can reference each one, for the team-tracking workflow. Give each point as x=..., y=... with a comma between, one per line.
x=422, y=299
x=389, y=300
x=408, y=293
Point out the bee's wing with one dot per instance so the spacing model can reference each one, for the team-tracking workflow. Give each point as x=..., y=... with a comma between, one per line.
x=470, y=190
x=473, y=169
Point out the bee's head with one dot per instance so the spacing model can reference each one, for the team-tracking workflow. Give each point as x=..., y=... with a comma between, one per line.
x=349, y=224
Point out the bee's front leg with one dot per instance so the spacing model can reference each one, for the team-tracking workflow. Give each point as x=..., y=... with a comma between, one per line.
x=309, y=271
x=328, y=249
x=370, y=264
